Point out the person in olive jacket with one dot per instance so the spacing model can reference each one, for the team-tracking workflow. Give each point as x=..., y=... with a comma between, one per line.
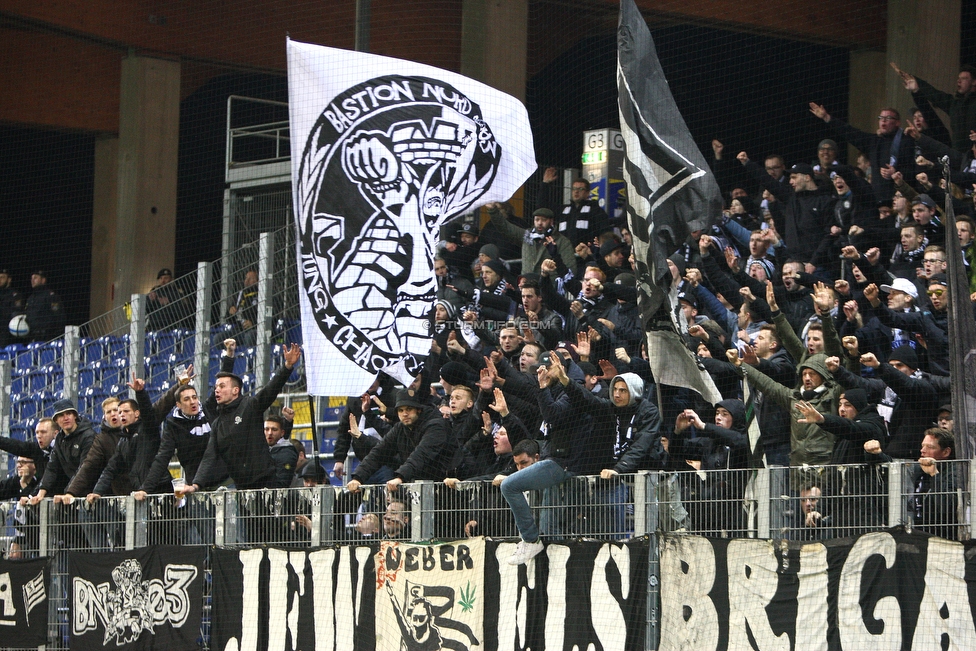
x=809, y=444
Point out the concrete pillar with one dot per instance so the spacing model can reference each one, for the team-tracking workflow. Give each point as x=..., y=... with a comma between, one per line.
x=149, y=125
x=923, y=39
x=104, y=219
x=493, y=43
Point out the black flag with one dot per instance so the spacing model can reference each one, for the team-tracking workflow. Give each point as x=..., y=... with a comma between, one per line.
x=962, y=340
x=670, y=193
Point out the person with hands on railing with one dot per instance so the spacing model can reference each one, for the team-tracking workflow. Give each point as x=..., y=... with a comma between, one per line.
x=932, y=505
x=421, y=446
x=185, y=432
x=71, y=446
x=712, y=498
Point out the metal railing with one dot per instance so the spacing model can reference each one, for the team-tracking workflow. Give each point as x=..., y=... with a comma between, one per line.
x=257, y=131
x=768, y=503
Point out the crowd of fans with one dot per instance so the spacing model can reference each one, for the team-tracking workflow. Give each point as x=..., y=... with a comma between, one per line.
x=820, y=297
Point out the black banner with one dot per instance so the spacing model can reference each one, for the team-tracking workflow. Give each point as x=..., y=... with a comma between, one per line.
x=149, y=598
x=460, y=596
x=887, y=590
x=24, y=602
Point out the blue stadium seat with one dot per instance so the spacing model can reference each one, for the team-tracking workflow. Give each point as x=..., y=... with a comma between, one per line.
x=87, y=375
x=117, y=347
x=248, y=380
x=19, y=432
x=54, y=377
x=50, y=353
x=158, y=368
x=25, y=408
x=122, y=364
x=166, y=341
x=92, y=350
x=240, y=364
x=90, y=401
x=24, y=360
x=17, y=380
x=148, y=344
x=187, y=342
x=36, y=381
x=46, y=400
x=293, y=331
x=108, y=372
x=34, y=348
x=14, y=349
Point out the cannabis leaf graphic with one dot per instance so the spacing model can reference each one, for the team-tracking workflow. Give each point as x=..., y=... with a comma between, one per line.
x=467, y=598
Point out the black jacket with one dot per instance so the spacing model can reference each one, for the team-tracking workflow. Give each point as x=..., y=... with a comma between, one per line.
x=914, y=406
x=237, y=438
x=285, y=458
x=425, y=451
x=70, y=451
x=634, y=430
x=134, y=454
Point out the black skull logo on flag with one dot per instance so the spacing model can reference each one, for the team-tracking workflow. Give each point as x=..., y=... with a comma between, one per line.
x=387, y=163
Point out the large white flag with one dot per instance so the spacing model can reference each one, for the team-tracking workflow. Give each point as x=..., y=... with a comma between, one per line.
x=384, y=152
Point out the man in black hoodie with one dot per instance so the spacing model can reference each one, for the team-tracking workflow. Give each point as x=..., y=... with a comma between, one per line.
x=713, y=499
x=186, y=432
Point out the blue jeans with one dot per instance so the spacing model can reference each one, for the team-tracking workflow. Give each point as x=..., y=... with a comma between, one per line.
x=538, y=476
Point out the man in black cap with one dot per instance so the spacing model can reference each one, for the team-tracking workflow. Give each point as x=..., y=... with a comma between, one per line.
x=541, y=242
x=11, y=303
x=45, y=315
x=420, y=446
x=613, y=257
x=70, y=449
x=582, y=220
x=906, y=400
x=925, y=213
x=459, y=255
x=237, y=428
x=803, y=216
